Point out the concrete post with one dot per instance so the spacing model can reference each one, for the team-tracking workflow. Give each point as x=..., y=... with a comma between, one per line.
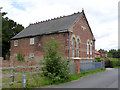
x=24, y=80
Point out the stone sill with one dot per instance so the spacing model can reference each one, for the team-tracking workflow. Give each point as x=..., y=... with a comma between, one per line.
x=77, y=58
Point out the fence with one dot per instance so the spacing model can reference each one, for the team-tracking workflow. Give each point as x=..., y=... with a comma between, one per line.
x=13, y=74
x=87, y=66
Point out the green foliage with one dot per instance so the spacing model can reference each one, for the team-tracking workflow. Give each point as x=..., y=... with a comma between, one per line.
x=97, y=60
x=56, y=65
x=113, y=53
x=9, y=29
x=20, y=57
x=114, y=63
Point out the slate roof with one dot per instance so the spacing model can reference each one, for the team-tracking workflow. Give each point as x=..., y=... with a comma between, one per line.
x=96, y=52
x=61, y=24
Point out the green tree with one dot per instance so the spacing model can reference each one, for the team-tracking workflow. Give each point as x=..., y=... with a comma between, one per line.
x=56, y=66
x=114, y=53
x=9, y=29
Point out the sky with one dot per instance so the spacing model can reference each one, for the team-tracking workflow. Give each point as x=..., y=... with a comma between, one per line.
x=102, y=15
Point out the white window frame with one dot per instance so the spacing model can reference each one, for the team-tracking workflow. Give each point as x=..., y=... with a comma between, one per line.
x=73, y=47
x=78, y=47
x=16, y=43
x=31, y=55
x=31, y=41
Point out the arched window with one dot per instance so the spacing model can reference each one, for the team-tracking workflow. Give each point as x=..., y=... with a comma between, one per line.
x=73, y=47
x=88, y=48
x=77, y=47
x=91, y=49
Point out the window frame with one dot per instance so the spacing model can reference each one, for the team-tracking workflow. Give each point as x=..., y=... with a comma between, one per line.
x=31, y=57
x=32, y=40
x=15, y=42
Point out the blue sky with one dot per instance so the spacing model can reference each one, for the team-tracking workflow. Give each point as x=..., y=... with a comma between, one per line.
x=102, y=15
x=18, y=6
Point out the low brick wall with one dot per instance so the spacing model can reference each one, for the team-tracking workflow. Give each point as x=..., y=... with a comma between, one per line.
x=15, y=63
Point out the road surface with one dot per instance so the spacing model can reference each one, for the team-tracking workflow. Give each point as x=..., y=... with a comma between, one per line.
x=107, y=79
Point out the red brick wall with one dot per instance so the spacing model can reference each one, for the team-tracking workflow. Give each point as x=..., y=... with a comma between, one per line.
x=25, y=48
x=84, y=36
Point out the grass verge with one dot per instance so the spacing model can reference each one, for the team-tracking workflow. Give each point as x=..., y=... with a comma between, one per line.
x=78, y=76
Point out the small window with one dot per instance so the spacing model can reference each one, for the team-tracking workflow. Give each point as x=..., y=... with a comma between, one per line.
x=16, y=43
x=31, y=41
x=15, y=55
x=31, y=55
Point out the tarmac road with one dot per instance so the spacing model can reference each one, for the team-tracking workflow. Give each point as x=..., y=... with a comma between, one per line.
x=107, y=79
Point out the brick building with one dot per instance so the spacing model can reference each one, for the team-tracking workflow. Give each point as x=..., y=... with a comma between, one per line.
x=72, y=31
x=97, y=54
x=103, y=53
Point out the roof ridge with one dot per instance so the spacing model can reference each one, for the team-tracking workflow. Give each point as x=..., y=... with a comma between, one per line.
x=54, y=18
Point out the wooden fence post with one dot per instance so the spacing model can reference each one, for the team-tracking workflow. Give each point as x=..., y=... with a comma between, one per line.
x=11, y=75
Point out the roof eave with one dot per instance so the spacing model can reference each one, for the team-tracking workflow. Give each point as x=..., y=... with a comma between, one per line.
x=60, y=31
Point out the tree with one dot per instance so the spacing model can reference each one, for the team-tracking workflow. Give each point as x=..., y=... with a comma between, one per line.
x=56, y=66
x=114, y=53
x=9, y=29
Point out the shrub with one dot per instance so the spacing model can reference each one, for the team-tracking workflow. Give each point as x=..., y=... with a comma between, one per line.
x=114, y=64
x=55, y=64
x=20, y=57
x=97, y=60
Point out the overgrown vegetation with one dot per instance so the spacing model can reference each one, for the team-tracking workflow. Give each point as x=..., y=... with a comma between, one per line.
x=20, y=57
x=55, y=65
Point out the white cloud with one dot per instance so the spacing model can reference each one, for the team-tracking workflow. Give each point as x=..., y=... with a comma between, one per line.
x=101, y=14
